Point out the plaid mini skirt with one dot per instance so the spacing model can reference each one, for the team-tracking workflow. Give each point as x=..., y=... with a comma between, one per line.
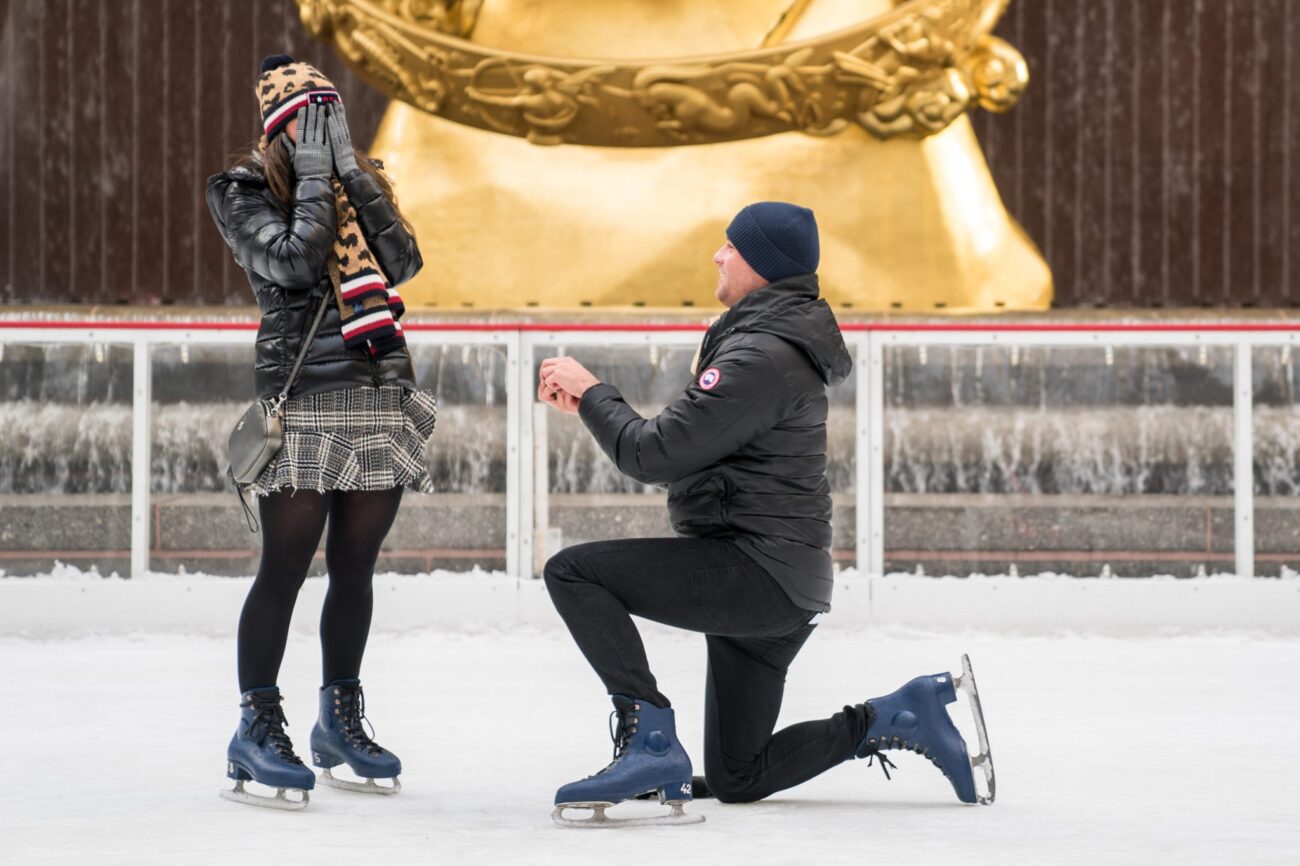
x=362, y=438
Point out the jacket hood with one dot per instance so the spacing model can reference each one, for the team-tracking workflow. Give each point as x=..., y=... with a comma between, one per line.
x=219, y=183
x=792, y=310
x=215, y=195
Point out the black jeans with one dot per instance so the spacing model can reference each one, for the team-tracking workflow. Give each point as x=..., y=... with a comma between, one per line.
x=753, y=634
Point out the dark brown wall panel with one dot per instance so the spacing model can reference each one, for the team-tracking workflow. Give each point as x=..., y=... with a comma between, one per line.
x=1149, y=260
x=1290, y=181
x=1152, y=158
x=118, y=170
x=1178, y=178
x=1268, y=192
x=53, y=103
x=115, y=112
x=149, y=146
x=1213, y=149
x=1158, y=145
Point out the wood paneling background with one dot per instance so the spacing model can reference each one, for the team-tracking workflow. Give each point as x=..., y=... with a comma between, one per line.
x=115, y=112
x=1152, y=158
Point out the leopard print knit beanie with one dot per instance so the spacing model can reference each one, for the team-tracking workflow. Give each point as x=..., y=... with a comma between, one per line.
x=284, y=87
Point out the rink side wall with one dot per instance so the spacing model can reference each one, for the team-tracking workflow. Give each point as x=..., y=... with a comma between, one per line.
x=69, y=603
x=527, y=539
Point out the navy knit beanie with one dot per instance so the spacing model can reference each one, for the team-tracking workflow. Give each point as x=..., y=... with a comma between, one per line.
x=776, y=239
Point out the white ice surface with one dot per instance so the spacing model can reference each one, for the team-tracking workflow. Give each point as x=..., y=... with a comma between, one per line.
x=1108, y=750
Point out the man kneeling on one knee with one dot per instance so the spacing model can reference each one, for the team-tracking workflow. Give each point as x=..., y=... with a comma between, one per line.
x=742, y=452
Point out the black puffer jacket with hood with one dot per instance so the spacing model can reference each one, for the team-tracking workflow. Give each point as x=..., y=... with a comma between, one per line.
x=743, y=449
x=284, y=252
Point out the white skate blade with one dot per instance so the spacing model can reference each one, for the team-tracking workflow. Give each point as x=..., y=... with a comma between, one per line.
x=279, y=801
x=984, y=760
x=599, y=819
x=369, y=786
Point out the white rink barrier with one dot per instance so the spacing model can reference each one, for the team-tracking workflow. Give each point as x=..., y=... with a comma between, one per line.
x=69, y=605
x=525, y=475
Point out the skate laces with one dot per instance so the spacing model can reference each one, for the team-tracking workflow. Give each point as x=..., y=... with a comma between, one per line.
x=876, y=746
x=354, y=713
x=885, y=763
x=621, y=733
x=268, y=726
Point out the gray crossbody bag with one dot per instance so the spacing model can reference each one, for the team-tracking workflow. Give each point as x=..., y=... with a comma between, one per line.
x=260, y=431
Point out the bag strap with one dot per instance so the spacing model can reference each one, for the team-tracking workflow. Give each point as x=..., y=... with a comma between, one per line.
x=248, y=512
x=302, y=353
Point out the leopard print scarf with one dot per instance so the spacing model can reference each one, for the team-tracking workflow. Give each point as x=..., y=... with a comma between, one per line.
x=369, y=308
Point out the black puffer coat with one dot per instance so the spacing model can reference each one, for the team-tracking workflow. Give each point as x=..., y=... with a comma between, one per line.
x=284, y=254
x=743, y=450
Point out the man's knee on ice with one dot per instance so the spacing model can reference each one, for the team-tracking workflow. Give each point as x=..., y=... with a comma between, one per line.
x=729, y=789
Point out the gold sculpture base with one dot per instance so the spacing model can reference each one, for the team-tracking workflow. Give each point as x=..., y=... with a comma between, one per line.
x=906, y=225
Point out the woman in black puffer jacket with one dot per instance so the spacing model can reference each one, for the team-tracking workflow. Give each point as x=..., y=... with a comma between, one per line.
x=311, y=224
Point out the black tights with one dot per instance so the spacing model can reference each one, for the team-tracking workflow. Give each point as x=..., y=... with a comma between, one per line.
x=292, y=523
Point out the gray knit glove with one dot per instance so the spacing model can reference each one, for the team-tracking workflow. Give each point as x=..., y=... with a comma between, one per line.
x=313, y=157
x=345, y=158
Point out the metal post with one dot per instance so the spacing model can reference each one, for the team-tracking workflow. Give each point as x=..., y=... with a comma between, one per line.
x=524, y=480
x=1243, y=449
x=141, y=455
x=514, y=427
x=541, y=487
x=869, y=407
x=862, y=477
x=876, y=454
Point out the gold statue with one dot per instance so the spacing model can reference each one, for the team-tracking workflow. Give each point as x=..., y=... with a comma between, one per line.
x=854, y=108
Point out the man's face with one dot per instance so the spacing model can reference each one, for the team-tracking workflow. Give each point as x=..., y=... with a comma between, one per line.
x=735, y=277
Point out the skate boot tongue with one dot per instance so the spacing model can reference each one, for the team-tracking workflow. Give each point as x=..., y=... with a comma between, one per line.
x=268, y=722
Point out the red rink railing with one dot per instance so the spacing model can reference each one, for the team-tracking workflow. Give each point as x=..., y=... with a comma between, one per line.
x=671, y=327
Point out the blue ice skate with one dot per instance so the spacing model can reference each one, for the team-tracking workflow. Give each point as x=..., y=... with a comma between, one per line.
x=260, y=751
x=647, y=757
x=914, y=718
x=339, y=738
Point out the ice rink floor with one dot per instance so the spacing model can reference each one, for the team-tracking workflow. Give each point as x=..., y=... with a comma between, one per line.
x=1108, y=750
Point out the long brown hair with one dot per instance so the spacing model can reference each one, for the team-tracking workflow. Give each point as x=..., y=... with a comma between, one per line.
x=276, y=165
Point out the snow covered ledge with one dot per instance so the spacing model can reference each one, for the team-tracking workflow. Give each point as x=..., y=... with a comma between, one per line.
x=69, y=603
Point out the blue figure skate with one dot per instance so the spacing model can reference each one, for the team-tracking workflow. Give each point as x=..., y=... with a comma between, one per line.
x=339, y=738
x=261, y=752
x=914, y=718
x=647, y=757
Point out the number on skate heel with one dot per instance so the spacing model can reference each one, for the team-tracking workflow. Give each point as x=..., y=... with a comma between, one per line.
x=675, y=792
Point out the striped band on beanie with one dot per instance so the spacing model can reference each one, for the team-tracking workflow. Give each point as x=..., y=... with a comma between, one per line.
x=278, y=116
